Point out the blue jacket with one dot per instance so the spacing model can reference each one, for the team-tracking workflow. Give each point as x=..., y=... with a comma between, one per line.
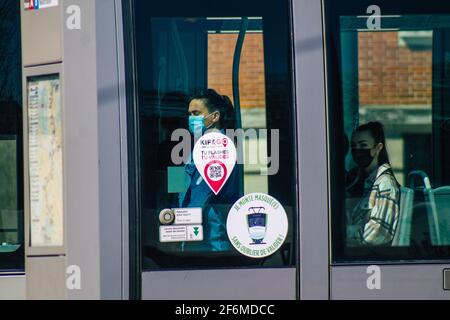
x=215, y=209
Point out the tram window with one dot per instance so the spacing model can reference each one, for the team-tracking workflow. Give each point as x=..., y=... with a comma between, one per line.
x=11, y=173
x=392, y=205
x=182, y=49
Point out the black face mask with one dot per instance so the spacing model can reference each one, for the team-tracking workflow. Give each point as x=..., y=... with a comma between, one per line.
x=362, y=157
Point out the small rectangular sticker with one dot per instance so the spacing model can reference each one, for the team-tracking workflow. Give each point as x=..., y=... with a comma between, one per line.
x=39, y=4
x=180, y=233
x=188, y=216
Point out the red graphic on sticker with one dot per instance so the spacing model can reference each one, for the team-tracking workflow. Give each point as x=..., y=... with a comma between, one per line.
x=215, y=174
x=214, y=156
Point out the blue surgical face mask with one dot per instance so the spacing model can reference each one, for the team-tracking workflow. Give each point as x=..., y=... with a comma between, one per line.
x=197, y=124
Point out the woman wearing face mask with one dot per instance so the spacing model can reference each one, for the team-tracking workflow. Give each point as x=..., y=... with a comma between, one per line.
x=373, y=193
x=209, y=111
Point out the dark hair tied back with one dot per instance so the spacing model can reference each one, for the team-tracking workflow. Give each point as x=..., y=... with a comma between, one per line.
x=216, y=102
x=376, y=129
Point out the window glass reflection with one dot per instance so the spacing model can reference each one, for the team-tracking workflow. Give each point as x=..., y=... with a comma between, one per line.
x=392, y=150
x=219, y=69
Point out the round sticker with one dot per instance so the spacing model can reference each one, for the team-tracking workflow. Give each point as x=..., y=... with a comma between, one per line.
x=257, y=225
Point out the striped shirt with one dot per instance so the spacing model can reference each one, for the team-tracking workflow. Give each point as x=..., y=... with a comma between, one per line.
x=373, y=218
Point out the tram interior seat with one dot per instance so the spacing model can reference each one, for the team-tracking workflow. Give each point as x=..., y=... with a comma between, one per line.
x=402, y=235
x=438, y=209
x=437, y=204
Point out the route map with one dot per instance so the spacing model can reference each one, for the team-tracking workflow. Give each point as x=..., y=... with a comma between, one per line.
x=45, y=161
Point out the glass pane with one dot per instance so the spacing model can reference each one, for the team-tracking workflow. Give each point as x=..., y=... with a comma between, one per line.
x=392, y=177
x=241, y=53
x=11, y=173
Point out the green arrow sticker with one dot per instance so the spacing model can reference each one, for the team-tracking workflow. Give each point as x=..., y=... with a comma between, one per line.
x=196, y=231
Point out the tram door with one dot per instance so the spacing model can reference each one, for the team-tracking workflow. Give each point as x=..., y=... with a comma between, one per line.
x=213, y=150
x=388, y=65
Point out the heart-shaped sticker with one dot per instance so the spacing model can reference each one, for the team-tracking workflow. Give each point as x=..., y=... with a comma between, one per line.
x=214, y=156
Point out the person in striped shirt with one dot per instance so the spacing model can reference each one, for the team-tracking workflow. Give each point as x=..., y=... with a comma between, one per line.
x=373, y=193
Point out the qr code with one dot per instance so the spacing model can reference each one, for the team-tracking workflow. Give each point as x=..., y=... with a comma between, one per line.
x=215, y=172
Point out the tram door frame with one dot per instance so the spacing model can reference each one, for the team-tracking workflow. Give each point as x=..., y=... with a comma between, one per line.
x=309, y=279
x=397, y=279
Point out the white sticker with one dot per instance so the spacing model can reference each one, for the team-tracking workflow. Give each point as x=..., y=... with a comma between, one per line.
x=257, y=225
x=188, y=216
x=215, y=157
x=180, y=233
x=194, y=233
x=39, y=4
